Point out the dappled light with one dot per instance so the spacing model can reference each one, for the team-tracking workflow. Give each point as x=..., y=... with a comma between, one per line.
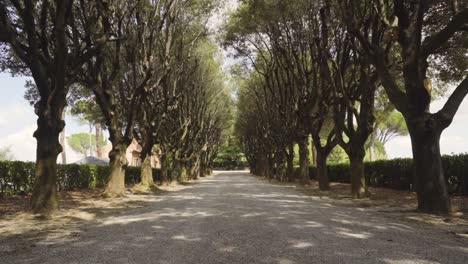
x=214, y=222
x=233, y=131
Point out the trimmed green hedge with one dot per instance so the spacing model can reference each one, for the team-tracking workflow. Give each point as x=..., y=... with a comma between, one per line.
x=230, y=165
x=18, y=177
x=398, y=173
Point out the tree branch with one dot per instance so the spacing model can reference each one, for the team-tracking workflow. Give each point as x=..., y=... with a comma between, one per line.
x=432, y=43
x=446, y=114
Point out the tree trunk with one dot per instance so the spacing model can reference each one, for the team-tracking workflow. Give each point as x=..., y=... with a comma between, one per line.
x=63, y=141
x=90, y=139
x=281, y=171
x=175, y=172
x=313, y=152
x=183, y=172
x=262, y=165
x=49, y=125
x=322, y=175
x=429, y=177
x=195, y=170
x=372, y=145
x=202, y=169
x=290, y=163
x=98, y=140
x=358, y=179
x=146, y=177
x=304, y=161
x=280, y=165
x=163, y=159
x=270, y=166
x=118, y=163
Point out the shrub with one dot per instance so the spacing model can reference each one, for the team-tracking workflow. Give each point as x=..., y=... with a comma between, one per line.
x=230, y=164
x=398, y=173
x=18, y=177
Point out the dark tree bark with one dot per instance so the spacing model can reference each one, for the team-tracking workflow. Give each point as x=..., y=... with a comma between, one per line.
x=52, y=56
x=430, y=183
x=290, y=163
x=322, y=174
x=164, y=167
x=358, y=179
x=413, y=99
x=304, y=177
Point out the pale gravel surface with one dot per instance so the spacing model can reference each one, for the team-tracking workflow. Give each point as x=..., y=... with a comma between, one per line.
x=237, y=218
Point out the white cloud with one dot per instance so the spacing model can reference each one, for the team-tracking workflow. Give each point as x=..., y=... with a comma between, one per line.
x=453, y=144
x=22, y=142
x=399, y=147
x=11, y=114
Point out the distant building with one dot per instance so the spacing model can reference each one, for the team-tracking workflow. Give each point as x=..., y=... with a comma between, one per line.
x=133, y=155
x=93, y=160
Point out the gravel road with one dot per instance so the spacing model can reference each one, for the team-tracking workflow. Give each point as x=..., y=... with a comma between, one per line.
x=233, y=217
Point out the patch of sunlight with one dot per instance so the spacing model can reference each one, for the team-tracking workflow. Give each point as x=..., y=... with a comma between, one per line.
x=313, y=224
x=252, y=214
x=408, y=261
x=398, y=226
x=157, y=227
x=342, y=221
x=346, y=232
x=380, y=227
x=302, y=244
x=185, y=197
x=184, y=238
x=283, y=201
x=125, y=220
x=285, y=261
x=363, y=235
x=227, y=249
x=145, y=238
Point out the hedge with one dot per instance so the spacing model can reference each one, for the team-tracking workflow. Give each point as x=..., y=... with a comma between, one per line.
x=230, y=165
x=18, y=177
x=398, y=173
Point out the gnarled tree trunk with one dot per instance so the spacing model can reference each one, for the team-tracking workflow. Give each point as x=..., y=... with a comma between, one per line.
x=164, y=177
x=313, y=152
x=118, y=163
x=194, y=170
x=44, y=196
x=429, y=177
x=146, y=177
x=304, y=161
x=290, y=163
x=358, y=179
x=98, y=140
x=183, y=172
x=322, y=175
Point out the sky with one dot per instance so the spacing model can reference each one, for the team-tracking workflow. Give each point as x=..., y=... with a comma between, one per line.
x=18, y=121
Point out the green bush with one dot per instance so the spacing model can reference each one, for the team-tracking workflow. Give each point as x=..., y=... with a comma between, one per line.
x=398, y=173
x=230, y=164
x=18, y=177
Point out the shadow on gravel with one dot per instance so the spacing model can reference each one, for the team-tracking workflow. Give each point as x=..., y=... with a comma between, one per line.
x=235, y=218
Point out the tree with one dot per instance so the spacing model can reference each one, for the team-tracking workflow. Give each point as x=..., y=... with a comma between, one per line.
x=417, y=36
x=81, y=143
x=42, y=39
x=83, y=105
x=393, y=125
